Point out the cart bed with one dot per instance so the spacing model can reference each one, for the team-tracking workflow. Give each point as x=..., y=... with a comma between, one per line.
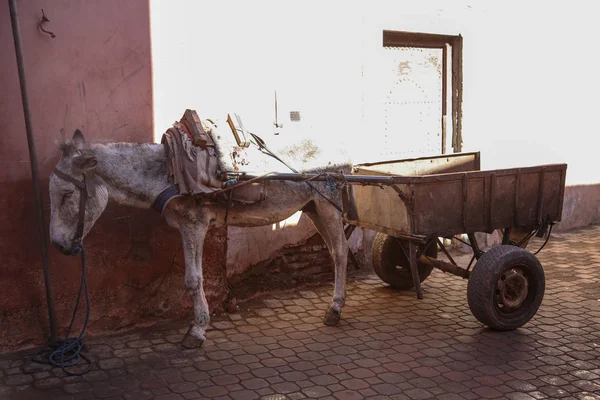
x=447, y=204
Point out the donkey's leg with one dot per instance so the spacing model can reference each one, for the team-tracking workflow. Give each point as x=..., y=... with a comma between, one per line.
x=329, y=224
x=193, y=243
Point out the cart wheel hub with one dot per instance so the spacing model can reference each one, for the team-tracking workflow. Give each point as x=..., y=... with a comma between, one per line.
x=512, y=288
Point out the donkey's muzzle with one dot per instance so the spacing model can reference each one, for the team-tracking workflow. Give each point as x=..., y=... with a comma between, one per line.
x=74, y=250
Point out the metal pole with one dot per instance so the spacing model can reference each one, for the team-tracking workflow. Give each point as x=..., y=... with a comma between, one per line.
x=34, y=167
x=316, y=177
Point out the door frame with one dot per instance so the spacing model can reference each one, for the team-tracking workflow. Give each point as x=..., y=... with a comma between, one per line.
x=449, y=44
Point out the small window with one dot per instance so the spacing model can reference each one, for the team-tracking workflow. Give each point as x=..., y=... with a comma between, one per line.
x=294, y=116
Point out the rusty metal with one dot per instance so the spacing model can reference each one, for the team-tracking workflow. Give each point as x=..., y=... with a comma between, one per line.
x=517, y=196
x=561, y=194
x=423, y=208
x=492, y=209
x=485, y=200
x=403, y=196
x=441, y=246
x=444, y=266
x=35, y=176
x=423, y=250
x=541, y=194
x=326, y=176
x=475, y=246
x=506, y=236
x=512, y=288
x=471, y=263
x=43, y=21
x=429, y=204
x=462, y=241
x=437, y=197
x=412, y=249
x=465, y=196
x=441, y=164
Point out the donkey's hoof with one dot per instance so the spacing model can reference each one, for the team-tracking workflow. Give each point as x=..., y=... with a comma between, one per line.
x=193, y=339
x=332, y=317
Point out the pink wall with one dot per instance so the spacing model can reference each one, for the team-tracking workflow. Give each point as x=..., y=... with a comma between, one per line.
x=95, y=75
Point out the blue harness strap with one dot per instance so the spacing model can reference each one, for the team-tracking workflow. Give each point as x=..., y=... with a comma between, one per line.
x=161, y=200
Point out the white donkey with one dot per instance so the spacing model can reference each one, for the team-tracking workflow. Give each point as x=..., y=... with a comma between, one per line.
x=86, y=179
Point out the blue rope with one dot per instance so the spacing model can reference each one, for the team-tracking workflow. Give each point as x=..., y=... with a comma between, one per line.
x=330, y=182
x=66, y=353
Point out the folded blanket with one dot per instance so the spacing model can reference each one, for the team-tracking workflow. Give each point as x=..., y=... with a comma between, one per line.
x=195, y=169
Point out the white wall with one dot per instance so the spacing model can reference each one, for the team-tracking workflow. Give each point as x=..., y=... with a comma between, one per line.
x=223, y=56
x=530, y=75
x=530, y=78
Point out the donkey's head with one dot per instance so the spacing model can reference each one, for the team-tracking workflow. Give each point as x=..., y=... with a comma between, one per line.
x=73, y=189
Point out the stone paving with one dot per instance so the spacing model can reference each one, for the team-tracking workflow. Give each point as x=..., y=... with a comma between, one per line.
x=389, y=345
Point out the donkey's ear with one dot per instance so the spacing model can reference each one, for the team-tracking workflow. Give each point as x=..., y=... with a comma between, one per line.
x=78, y=140
x=84, y=163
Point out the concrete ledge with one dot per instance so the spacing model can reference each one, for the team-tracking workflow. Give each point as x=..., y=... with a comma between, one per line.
x=581, y=207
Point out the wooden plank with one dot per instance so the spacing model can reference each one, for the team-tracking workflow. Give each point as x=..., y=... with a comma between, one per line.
x=444, y=95
x=191, y=121
x=238, y=130
x=415, y=39
x=457, y=88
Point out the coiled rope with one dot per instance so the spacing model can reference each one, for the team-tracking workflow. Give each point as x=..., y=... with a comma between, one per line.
x=66, y=353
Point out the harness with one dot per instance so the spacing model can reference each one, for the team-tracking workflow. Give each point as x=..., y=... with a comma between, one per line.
x=66, y=353
x=85, y=191
x=160, y=203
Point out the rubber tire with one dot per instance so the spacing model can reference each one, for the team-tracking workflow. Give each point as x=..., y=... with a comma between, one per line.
x=387, y=255
x=482, y=285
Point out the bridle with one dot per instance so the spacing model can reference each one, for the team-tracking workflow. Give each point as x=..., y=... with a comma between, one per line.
x=85, y=191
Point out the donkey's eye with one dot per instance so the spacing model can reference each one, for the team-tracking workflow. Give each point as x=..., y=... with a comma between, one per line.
x=66, y=195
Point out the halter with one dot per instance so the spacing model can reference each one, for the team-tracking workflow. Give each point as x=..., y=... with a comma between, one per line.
x=85, y=191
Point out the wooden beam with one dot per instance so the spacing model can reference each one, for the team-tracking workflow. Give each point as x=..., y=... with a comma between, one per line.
x=457, y=88
x=415, y=39
x=444, y=94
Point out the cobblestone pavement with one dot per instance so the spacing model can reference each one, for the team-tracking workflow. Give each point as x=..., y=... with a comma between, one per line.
x=389, y=345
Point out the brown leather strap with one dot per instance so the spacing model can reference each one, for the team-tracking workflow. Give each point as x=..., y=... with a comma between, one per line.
x=68, y=178
x=83, y=196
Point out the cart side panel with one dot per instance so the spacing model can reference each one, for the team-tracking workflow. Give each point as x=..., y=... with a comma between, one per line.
x=459, y=162
x=445, y=207
x=527, y=199
x=483, y=201
x=381, y=209
x=535, y=194
x=477, y=201
x=475, y=209
x=504, y=189
x=438, y=206
x=553, y=195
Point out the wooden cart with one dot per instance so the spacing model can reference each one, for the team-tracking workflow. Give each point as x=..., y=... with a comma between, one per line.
x=428, y=198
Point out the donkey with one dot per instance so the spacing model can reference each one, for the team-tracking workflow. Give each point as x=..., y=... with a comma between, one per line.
x=87, y=178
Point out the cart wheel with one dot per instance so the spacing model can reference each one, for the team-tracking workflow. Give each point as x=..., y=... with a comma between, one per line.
x=506, y=287
x=391, y=264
